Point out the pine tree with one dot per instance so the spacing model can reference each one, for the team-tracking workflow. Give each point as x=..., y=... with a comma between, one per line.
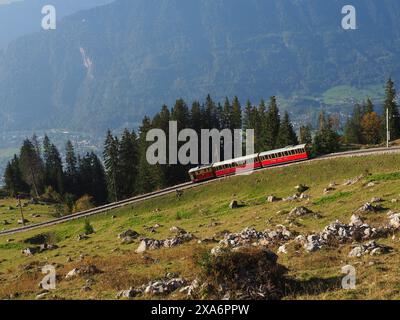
x=71, y=169
x=226, y=115
x=111, y=162
x=150, y=177
x=128, y=162
x=305, y=134
x=326, y=140
x=196, y=117
x=14, y=183
x=31, y=167
x=390, y=105
x=261, y=127
x=98, y=180
x=180, y=114
x=352, y=130
x=272, y=124
x=236, y=118
x=286, y=136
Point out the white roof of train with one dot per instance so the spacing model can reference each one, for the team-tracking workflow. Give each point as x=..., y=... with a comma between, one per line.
x=265, y=153
x=241, y=159
x=200, y=167
x=251, y=156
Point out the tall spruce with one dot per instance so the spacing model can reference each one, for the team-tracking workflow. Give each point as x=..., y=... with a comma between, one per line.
x=111, y=162
x=128, y=163
x=390, y=105
x=272, y=124
x=31, y=167
x=14, y=184
x=305, y=134
x=287, y=135
x=150, y=177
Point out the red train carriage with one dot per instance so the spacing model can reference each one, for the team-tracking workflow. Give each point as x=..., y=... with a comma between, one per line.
x=201, y=173
x=251, y=162
x=233, y=166
x=285, y=155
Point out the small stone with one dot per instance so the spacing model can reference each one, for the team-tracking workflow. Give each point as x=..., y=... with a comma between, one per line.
x=234, y=204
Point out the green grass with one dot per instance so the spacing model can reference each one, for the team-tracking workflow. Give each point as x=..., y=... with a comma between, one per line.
x=384, y=177
x=340, y=94
x=332, y=198
x=204, y=211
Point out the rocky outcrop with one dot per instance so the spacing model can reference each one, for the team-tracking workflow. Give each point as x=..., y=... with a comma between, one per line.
x=252, y=237
x=156, y=287
x=372, y=248
x=153, y=244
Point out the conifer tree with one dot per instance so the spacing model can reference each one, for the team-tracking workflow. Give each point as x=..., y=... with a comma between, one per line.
x=272, y=124
x=14, y=183
x=390, y=105
x=305, y=134
x=286, y=136
x=128, y=162
x=111, y=162
x=31, y=167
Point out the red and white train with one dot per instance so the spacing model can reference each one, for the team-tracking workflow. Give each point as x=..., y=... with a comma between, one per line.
x=250, y=162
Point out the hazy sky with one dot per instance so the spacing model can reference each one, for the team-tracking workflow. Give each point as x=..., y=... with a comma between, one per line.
x=8, y=1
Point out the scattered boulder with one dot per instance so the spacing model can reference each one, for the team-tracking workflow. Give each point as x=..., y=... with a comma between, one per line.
x=353, y=181
x=128, y=233
x=130, y=293
x=45, y=247
x=394, y=220
x=328, y=190
x=376, y=200
x=73, y=273
x=292, y=198
x=83, y=270
x=82, y=237
x=370, y=185
x=41, y=296
x=251, y=237
x=6, y=223
x=301, y=188
x=271, y=199
x=162, y=286
x=338, y=233
x=234, y=204
x=299, y=211
x=22, y=221
x=152, y=244
x=356, y=221
x=370, y=247
x=367, y=207
x=30, y=251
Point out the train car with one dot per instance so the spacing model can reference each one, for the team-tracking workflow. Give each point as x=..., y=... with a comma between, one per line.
x=251, y=162
x=284, y=155
x=234, y=166
x=201, y=173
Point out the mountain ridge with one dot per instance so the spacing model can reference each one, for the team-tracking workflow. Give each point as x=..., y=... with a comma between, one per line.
x=109, y=66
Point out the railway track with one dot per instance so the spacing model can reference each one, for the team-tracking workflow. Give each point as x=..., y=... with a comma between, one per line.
x=184, y=186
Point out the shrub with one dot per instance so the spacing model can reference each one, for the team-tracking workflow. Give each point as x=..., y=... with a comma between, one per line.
x=247, y=273
x=84, y=203
x=88, y=228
